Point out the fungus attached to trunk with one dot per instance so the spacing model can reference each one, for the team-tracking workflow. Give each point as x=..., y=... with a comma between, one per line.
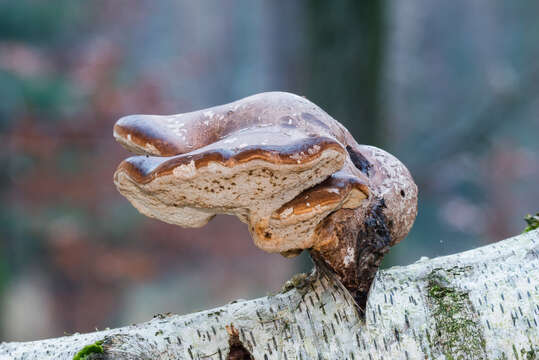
x=283, y=166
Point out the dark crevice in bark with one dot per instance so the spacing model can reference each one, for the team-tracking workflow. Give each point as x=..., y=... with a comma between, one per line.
x=237, y=350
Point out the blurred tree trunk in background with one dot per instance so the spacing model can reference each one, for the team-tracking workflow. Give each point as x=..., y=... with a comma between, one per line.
x=344, y=62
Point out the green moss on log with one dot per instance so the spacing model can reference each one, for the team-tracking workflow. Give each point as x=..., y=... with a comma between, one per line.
x=532, y=222
x=90, y=352
x=457, y=333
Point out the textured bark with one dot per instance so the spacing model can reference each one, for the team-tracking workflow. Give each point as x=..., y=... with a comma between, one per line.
x=479, y=304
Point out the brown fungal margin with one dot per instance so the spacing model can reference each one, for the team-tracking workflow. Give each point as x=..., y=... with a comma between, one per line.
x=145, y=169
x=237, y=351
x=283, y=166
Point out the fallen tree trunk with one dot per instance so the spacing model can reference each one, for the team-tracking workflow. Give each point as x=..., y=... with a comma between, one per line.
x=479, y=304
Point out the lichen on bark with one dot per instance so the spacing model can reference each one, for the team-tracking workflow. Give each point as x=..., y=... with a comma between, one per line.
x=457, y=333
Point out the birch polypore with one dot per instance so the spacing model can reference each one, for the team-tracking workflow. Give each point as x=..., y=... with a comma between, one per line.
x=283, y=166
x=479, y=304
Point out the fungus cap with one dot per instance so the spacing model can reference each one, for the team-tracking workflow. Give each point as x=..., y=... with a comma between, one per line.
x=283, y=166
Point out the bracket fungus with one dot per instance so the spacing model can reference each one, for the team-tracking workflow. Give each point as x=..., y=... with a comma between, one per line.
x=283, y=166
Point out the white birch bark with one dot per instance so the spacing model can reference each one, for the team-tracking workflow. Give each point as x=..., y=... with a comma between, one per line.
x=479, y=304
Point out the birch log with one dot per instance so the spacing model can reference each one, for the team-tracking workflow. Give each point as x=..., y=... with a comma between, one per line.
x=479, y=304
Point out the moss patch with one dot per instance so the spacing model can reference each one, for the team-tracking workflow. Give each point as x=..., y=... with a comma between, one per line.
x=298, y=281
x=457, y=333
x=528, y=354
x=90, y=352
x=532, y=221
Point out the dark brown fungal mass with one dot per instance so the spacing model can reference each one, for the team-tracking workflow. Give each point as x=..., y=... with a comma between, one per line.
x=373, y=242
x=283, y=166
x=370, y=240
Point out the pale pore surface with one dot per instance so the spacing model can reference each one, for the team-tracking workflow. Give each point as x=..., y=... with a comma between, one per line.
x=190, y=197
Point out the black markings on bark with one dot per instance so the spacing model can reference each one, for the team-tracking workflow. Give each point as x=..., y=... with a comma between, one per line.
x=359, y=160
x=252, y=338
x=300, y=333
x=237, y=350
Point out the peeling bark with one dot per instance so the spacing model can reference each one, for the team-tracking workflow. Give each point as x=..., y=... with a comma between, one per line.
x=479, y=304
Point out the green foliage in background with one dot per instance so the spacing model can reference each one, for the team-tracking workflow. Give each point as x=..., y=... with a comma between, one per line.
x=40, y=22
x=45, y=95
x=39, y=27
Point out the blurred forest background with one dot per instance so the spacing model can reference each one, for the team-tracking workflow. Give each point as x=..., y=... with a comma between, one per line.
x=450, y=87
